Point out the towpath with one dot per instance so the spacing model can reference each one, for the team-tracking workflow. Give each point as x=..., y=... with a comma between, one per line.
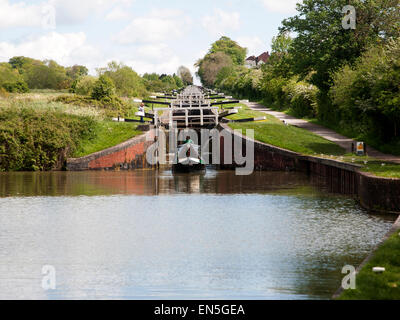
x=326, y=133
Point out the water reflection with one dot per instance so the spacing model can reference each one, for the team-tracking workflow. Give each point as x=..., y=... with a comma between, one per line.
x=216, y=236
x=147, y=182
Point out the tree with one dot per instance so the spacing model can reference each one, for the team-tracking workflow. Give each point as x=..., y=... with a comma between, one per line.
x=18, y=86
x=230, y=48
x=127, y=81
x=22, y=64
x=223, y=53
x=211, y=65
x=186, y=76
x=103, y=88
x=280, y=62
x=324, y=46
x=77, y=71
x=47, y=75
x=178, y=82
x=8, y=74
x=368, y=93
x=85, y=85
x=281, y=43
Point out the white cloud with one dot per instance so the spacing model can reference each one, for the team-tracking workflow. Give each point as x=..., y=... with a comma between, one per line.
x=19, y=14
x=254, y=45
x=116, y=14
x=281, y=6
x=157, y=27
x=221, y=21
x=66, y=49
x=169, y=65
x=77, y=11
x=153, y=51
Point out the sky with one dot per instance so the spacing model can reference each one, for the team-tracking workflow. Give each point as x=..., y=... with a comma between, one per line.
x=147, y=35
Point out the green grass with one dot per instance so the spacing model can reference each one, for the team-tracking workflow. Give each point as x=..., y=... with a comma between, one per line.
x=373, y=166
x=107, y=134
x=389, y=170
x=244, y=113
x=389, y=148
x=273, y=132
x=385, y=286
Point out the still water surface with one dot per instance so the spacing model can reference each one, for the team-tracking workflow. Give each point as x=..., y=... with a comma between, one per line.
x=143, y=235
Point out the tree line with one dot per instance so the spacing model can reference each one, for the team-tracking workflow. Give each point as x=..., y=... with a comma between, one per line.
x=22, y=74
x=346, y=79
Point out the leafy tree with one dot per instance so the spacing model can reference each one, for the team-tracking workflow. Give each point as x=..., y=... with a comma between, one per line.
x=151, y=76
x=22, y=64
x=77, y=71
x=223, y=53
x=224, y=73
x=85, y=85
x=280, y=62
x=127, y=81
x=211, y=65
x=368, y=94
x=19, y=86
x=281, y=43
x=8, y=74
x=185, y=75
x=178, y=82
x=230, y=48
x=103, y=88
x=47, y=75
x=324, y=46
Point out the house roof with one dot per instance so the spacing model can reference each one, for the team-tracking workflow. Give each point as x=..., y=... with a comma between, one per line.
x=252, y=58
x=264, y=57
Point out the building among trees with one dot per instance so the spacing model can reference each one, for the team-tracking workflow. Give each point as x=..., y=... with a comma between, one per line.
x=254, y=62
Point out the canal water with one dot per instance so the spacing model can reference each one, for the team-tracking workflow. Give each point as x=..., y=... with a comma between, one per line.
x=148, y=235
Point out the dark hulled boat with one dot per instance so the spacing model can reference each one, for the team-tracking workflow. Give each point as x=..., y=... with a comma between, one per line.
x=188, y=159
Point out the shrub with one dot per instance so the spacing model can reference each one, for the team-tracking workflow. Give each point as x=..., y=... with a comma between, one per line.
x=302, y=98
x=103, y=88
x=368, y=94
x=85, y=85
x=113, y=106
x=37, y=139
x=3, y=93
x=126, y=81
x=273, y=93
x=19, y=86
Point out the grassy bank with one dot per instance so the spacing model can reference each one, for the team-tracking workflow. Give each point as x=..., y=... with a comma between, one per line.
x=375, y=286
x=274, y=132
x=244, y=112
x=37, y=133
x=106, y=134
x=296, y=139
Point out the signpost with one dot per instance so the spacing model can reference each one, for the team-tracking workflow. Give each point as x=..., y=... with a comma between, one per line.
x=360, y=150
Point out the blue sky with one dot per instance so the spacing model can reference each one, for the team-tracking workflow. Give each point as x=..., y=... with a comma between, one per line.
x=150, y=36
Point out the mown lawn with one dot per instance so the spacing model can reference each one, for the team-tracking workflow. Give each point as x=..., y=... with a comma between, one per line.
x=274, y=132
x=385, y=286
x=244, y=113
x=107, y=134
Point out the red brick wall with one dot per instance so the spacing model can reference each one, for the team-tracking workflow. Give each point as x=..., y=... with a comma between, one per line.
x=128, y=155
x=120, y=157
